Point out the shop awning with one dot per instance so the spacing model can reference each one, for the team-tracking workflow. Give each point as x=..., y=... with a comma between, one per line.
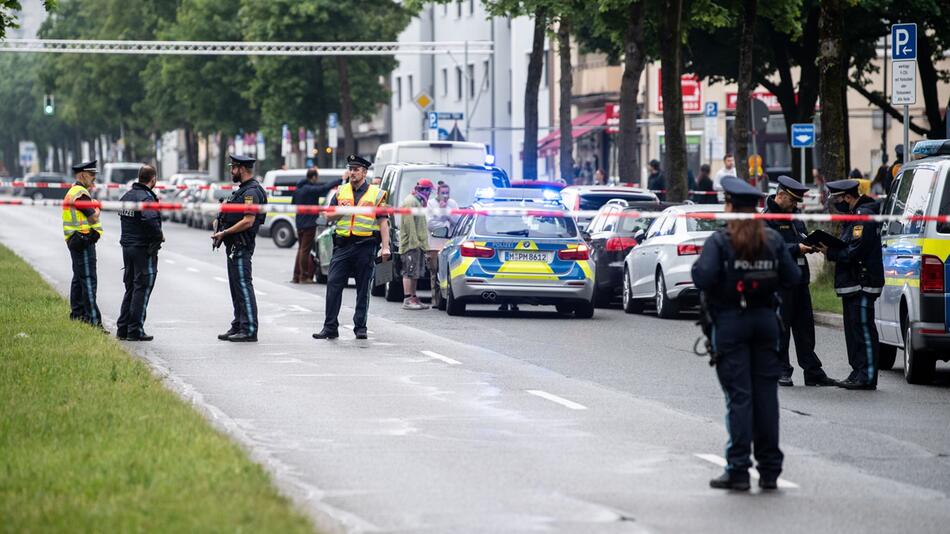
x=581, y=125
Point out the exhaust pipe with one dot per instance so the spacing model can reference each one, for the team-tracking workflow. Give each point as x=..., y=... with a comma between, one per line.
x=489, y=296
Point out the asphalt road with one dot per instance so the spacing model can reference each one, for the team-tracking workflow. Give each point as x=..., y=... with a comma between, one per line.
x=509, y=422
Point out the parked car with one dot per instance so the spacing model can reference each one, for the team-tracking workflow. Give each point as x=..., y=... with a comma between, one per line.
x=592, y=197
x=611, y=236
x=322, y=250
x=430, y=152
x=113, y=179
x=658, y=268
x=187, y=196
x=912, y=311
x=517, y=259
x=280, y=226
x=204, y=219
x=465, y=181
x=37, y=193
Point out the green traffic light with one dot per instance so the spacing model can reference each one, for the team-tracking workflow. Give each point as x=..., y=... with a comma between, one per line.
x=48, y=109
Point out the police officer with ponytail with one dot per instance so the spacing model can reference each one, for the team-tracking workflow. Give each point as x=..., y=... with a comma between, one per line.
x=740, y=271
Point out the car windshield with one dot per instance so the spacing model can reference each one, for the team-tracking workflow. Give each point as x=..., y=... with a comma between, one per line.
x=463, y=183
x=121, y=176
x=526, y=226
x=704, y=225
x=594, y=201
x=630, y=225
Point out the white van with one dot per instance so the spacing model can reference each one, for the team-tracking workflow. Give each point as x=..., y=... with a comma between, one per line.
x=430, y=152
x=116, y=174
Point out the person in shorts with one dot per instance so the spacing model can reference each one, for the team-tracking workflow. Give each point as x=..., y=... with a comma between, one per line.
x=413, y=244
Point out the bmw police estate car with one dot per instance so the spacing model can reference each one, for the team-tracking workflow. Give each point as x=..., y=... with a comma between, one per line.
x=913, y=312
x=498, y=258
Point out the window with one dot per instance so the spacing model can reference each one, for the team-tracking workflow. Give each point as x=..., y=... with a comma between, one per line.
x=471, y=7
x=471, y=80
x=913, y=198
x=412, y=91
x=655, y=227
x=459, y=85
x=458, y=9
x=445, y=82
x=598, y=222
x=943, y=227
x=486, y=77
x=398, y=92
x=527, y=226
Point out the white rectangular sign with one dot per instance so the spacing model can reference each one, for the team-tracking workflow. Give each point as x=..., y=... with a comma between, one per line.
x=904, y=82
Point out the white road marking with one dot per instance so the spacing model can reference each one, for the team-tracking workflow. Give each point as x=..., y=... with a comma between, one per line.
x=259, y=292
x=219, y=279
x=192, y=270
x=170, y=262
x=297, y=307
x=721, y=462
x=554, y=398
x=438, y=356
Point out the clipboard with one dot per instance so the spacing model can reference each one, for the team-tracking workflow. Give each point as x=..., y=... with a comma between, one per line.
x=385, y=271
x=821, y=237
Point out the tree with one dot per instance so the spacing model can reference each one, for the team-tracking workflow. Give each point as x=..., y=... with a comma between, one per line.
x=832, y=71
x=532, y=89
x=747, y=26
x=8, y=9
x=566, y=146
x=674, y=122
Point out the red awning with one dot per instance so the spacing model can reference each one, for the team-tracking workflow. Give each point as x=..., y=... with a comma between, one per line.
x=581, y=125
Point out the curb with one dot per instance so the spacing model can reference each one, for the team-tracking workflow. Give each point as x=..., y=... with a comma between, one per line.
x=833, y=320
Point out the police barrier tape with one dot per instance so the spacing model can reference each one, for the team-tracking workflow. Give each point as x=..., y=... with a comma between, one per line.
x=211, y=207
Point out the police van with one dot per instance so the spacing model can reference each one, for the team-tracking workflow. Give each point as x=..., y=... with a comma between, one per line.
x=913, y=311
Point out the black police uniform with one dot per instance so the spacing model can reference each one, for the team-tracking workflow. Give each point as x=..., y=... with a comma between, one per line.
x=352, y=256
x=141, y=239
x=797, y=311
x=859, y=278
x=240, y=249
x=741, y=297
x=82, y=251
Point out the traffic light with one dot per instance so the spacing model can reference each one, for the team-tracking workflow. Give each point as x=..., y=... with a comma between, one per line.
x=48, y=105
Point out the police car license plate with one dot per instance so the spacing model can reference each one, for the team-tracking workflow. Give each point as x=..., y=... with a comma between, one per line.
x=524, y=255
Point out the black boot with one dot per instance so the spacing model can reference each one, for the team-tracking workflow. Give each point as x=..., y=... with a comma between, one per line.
x=730, y=482
x=768, y=484
x=142, y=337
x=821, y=381
x=326, y=334
x=226, y=335
x=242, y=337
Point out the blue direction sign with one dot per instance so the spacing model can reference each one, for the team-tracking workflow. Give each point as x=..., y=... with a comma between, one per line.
x=451, y=116
x=712, y=109
x=904, y=42
x=803, y=135
x=332, y=120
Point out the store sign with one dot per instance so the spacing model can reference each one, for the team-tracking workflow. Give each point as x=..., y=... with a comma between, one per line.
x=770, y=100
x=692, y=92
x=612, y=112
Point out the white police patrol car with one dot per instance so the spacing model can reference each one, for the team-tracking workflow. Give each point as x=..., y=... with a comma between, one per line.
x=494, y=257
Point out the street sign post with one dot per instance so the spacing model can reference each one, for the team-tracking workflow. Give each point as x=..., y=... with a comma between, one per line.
x=332, y=140
x=711, y=112
x=904, y=73
x=433, y=120
x=803, y=136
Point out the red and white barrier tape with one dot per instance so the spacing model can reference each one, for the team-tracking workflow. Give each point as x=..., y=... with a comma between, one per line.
x=212, y=207
x=159, y=187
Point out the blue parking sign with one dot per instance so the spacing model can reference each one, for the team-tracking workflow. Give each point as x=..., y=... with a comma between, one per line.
x=904, y=42
x=433, y=120
x=803, y=135
x=712, y=109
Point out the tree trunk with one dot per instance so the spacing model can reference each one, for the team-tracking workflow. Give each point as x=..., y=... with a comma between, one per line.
x=628, y=158
x=671, y=32
x=564, y=107
x=535, y=65
x=740, y=130
x=346, y=107
x=832, y=74
x=323, y=140
x=929, y=81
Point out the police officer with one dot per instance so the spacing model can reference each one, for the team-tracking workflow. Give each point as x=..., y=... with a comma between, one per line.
x=354, y=248
x=740, y=271
x=141, y=238
x=859, y=277
x=797, y=310
x=238, y=230
x=82, y=230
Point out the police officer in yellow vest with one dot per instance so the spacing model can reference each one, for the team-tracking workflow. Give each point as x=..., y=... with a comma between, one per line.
x=82, y=229
x=354, y=248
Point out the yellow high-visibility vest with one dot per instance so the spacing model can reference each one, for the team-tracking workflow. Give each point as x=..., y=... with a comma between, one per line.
x=75, y=220
x=359, y=225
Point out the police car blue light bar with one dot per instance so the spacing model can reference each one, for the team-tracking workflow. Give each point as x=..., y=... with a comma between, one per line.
x=932, y=147
x=484, y=193
x=552, y=195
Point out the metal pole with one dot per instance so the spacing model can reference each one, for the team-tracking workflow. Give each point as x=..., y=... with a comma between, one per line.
x=802, y=157
x=468, y=84
x=906, y=133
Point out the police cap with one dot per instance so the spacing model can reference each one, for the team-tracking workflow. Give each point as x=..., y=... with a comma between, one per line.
x=739, y=192
x=86, y=166
x=238, y=160
x=357, y=161
x=840, y=187
x=793, y=187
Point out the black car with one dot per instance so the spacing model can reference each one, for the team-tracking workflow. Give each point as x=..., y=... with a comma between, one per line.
x=592, y=197
x=37, y=193
x=611, y=236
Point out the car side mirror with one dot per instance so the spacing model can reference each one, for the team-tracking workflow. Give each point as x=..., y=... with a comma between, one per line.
x=639, y=236
x=441, y=232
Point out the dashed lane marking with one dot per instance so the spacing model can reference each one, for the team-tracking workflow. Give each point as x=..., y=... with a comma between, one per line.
x=259, y=292
x=219, y=279
x=171, y=262
x=440, y=357
x=192, y=270
x=721, y=462
x=554, y=398
x=299, y=308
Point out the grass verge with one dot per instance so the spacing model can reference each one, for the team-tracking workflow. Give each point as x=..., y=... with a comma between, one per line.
x=823, y=296
x=91, y=441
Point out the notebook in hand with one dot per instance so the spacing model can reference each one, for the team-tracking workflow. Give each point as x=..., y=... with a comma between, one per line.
x=820, y=237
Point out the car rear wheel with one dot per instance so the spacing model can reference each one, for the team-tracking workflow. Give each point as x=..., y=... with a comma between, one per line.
x=887, y=354
x=564, y=308
x=584, y=310
x=630, y=304
x=919, y=367
x=666, y=307
x=452, y=306
x=37, y=196
x=283, y=234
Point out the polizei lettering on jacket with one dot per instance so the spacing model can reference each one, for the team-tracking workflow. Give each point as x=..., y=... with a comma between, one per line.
x=757, y=265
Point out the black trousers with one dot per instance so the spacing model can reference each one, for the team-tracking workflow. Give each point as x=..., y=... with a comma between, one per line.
x=748, y=370
x=799, y=320
x=241, y=282
x=356, y=260
x=860, y=335
x=141, y=268
x=85, y=283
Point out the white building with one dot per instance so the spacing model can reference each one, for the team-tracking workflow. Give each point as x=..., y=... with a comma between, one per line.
x=489, y=90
